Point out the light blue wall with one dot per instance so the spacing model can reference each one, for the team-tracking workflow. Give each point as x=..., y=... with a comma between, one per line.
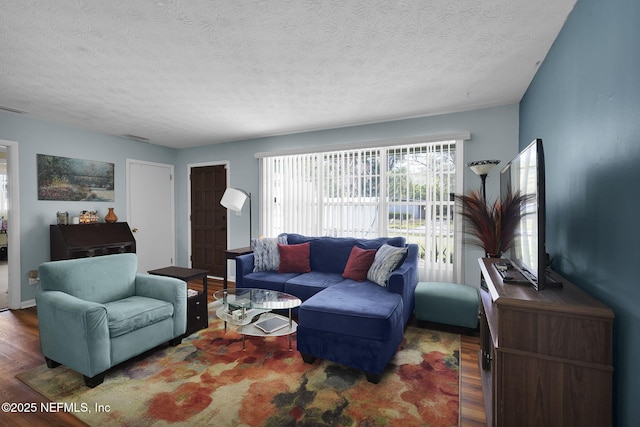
x=585, y=104
x=494, y=134
x=37, y=137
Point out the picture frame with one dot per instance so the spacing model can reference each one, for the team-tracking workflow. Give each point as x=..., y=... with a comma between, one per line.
x=69, y=179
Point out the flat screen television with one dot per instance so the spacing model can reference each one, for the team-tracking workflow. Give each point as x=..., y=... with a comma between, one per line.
x=525, y=174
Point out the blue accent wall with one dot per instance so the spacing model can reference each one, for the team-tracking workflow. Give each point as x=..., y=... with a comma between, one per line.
x=585, y=105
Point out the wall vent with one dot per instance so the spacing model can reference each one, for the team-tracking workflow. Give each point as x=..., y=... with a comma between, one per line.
x=136, y=138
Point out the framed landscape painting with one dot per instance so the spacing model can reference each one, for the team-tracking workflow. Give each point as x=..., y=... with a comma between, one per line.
x=64, y=178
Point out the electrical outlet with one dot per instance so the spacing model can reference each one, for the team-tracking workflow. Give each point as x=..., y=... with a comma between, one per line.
x=33, y=277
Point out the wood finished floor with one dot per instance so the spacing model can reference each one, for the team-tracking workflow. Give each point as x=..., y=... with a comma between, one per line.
x=20, y=351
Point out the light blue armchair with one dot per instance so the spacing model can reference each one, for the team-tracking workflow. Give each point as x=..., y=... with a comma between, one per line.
x=94, y=313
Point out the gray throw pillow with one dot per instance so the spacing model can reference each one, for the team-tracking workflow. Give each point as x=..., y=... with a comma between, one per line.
x=265, y=253
x=387, y=259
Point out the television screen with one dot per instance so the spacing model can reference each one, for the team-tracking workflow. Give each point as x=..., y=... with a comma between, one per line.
x=525, y=174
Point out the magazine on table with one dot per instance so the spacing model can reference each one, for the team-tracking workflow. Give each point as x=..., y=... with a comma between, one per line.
x=272, y=324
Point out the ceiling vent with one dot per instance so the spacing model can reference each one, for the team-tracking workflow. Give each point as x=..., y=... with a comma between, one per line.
x=12, y=110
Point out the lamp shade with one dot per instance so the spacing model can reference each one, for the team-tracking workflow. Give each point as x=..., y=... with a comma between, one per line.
x=233, y=199
x=482, y=167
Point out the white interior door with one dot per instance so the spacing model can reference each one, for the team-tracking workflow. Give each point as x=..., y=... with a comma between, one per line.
x=151, y=213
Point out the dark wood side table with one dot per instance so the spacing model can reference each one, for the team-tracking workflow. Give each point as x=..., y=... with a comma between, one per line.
x=197, y=312
x=233, y=254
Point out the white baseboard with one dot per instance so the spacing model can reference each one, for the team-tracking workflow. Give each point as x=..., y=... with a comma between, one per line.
x=28, y=304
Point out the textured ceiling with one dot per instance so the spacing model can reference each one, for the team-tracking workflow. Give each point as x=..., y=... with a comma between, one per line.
x=184, y=73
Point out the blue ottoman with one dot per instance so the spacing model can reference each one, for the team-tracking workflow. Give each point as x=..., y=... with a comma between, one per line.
x=448, y=303
x=356, y=324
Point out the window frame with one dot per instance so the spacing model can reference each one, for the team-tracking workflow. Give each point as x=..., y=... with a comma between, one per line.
x=384, y=146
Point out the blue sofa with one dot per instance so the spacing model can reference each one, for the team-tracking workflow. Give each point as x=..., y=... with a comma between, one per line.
x=359, y=324
x=94, y=313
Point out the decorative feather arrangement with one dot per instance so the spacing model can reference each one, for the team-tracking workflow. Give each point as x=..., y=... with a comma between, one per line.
x=492, y=227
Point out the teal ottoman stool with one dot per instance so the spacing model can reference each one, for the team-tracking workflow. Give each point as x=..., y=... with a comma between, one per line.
x=448, y=303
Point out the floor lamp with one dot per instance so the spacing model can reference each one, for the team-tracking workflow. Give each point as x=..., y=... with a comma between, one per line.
x=482, y=168
x=234, y=198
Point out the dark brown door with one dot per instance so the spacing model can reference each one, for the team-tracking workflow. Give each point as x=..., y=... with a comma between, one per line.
x=208, y=219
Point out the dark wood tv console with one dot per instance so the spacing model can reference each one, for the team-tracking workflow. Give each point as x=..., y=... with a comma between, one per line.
x=546, y=356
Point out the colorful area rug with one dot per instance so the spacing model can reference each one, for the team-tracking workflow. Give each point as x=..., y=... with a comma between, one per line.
x=209, y=380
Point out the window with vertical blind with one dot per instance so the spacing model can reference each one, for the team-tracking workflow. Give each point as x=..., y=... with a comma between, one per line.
x=403, y=189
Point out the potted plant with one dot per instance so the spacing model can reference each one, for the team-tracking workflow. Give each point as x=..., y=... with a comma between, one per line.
x=492, y=227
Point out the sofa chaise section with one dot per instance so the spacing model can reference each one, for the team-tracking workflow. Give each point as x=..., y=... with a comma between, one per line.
x=357, y=323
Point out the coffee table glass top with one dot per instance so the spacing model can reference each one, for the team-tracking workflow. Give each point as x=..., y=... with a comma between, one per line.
x=250, y=310
x=257, y=298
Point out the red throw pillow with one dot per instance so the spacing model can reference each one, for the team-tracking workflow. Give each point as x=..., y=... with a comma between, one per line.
x=294, y=258
x=358, y=263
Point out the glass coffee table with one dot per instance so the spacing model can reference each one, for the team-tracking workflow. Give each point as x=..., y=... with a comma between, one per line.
x=250, y=310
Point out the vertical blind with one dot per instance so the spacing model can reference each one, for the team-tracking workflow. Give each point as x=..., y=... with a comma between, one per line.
x=399, y=190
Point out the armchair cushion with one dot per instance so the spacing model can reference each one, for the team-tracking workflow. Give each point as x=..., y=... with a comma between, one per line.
x=128, y=314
